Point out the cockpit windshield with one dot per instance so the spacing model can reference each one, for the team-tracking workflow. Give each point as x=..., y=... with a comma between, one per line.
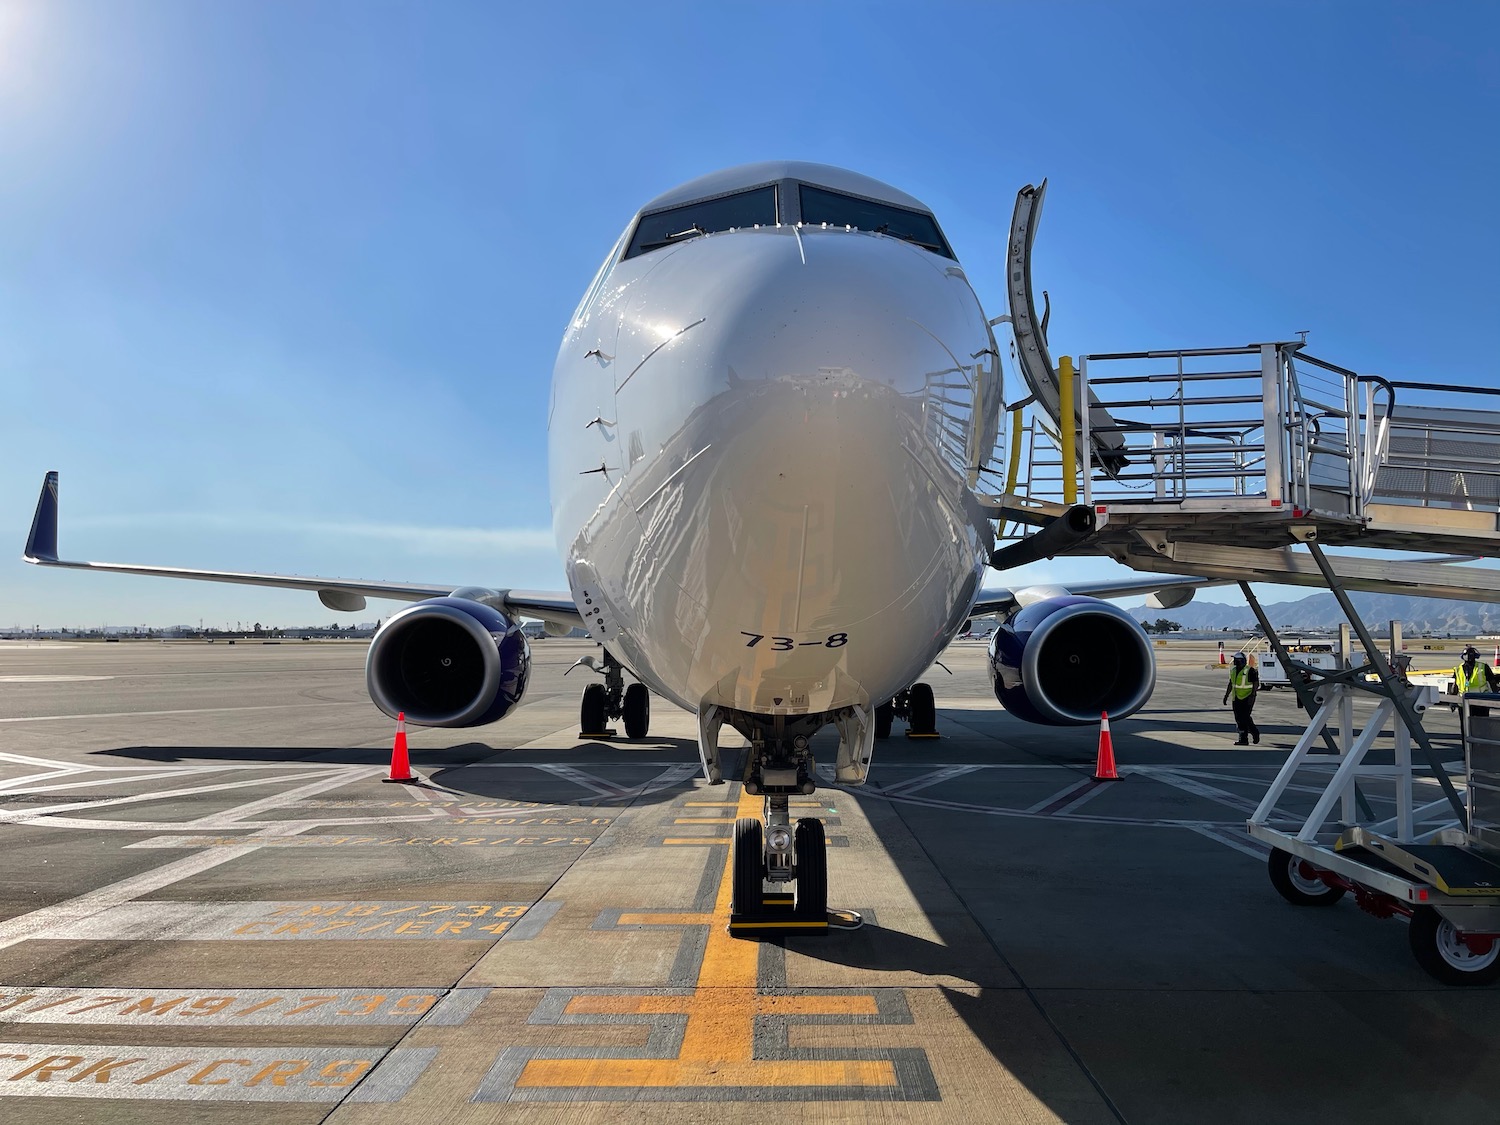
x=820, y=205
x=664, y=228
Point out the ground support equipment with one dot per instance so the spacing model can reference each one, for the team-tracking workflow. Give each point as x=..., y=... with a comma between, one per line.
x=1445, y=882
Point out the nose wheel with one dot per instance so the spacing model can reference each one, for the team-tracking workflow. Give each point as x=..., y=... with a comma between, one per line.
x=756, y=912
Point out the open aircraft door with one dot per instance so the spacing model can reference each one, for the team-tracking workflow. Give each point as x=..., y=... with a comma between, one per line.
x=1031, y=334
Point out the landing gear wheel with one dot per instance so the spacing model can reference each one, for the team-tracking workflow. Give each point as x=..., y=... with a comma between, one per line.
x=637, y=711
x=1295, y=880
x=1444, y=954
x=593, y=715
x=812, y=870
x=884, y=715
x=749, y=859
x=922, y=710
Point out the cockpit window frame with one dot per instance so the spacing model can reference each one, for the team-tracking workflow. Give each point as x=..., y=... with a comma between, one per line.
x=788, y=211
x=940, y=247
x=632, y=250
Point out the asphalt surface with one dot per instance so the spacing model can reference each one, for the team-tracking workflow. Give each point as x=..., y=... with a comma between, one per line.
x=210, y=896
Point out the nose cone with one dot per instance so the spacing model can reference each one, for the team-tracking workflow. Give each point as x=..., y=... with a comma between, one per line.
x=795, y=302
x=810, y=504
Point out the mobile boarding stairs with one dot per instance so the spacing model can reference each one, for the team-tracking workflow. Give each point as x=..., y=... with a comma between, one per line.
x=1242, y=464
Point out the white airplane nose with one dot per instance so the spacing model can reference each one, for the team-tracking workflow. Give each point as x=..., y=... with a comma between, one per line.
x=823, y=409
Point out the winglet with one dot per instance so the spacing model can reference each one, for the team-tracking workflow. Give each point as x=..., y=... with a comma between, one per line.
x=41, y=544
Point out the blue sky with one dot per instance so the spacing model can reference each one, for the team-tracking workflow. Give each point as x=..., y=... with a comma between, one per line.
x=281, y=284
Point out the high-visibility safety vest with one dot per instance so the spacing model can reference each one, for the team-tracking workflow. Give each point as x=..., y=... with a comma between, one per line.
x=1239, y=680
x=1478, y=681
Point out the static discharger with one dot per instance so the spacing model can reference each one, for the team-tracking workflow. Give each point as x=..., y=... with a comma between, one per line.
x=400, y=762
x=1104, y=768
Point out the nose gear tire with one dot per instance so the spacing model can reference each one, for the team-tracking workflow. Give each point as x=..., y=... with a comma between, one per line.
x=812, y=870
x=749, y=861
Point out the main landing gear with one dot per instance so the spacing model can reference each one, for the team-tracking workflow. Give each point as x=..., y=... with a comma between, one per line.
x=916, y=706
x=612, y=700
x=772, y=850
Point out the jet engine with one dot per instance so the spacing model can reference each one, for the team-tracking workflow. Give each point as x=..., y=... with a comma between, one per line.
x=448, y=662
x=1066, y=660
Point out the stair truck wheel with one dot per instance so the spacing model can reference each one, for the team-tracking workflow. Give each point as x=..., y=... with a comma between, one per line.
x=1294, y=879
x=1445, y=956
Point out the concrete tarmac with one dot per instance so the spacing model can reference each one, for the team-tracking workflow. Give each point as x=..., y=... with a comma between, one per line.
x=210, y=896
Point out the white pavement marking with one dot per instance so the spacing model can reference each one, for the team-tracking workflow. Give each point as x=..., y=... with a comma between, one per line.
x=9, y=784
x=578, y=777
x=51, y=763
x=49, y=679
x=182, y=711
x=237, y=814
x=25, y=815
x=454, y=920
x=8, y=789
x=1052, y=799
x=1203, y=789
x=38, y=922
x=226, y=1007
x=936, y=777
x=258, y=1074
x=1240, y=843
x=1096, y=789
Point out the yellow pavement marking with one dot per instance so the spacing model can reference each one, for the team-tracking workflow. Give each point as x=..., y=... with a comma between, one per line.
x=666, y=919
x=695, y=841
x=718, y=1042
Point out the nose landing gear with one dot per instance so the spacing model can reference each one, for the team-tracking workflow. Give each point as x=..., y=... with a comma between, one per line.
x=772, y=850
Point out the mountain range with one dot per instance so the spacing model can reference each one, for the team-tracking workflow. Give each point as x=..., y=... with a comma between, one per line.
x=1321, y=611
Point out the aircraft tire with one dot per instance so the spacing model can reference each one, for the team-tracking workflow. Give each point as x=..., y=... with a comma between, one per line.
x=922, y=710
x=1294, y=886
x=637, y=711
x=1444, y=956
x=885, y=714
x=749, y=861
x=812, y=870
x=593, y=715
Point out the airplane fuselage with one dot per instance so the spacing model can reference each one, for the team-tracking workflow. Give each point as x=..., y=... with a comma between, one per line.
x=760, y=450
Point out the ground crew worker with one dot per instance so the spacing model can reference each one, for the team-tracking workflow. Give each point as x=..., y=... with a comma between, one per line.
x=1243, y=683
x=1474, y=675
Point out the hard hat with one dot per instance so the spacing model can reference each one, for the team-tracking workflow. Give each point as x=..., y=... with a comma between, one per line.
x=1239, y=658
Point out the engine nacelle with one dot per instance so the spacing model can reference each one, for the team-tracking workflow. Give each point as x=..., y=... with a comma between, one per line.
x=1066, y=660
x=448, y=662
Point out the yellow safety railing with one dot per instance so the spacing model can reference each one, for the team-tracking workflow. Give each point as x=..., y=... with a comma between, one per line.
x=1067, y=421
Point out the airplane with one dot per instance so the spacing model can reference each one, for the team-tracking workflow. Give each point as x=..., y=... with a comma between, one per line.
x=769, y=416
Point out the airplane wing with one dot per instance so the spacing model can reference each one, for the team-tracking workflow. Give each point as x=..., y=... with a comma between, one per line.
x=1173, y=592
x=344, y=594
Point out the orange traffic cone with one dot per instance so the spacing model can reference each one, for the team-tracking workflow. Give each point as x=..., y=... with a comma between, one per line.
x=400, y=763
x=1104, y=768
